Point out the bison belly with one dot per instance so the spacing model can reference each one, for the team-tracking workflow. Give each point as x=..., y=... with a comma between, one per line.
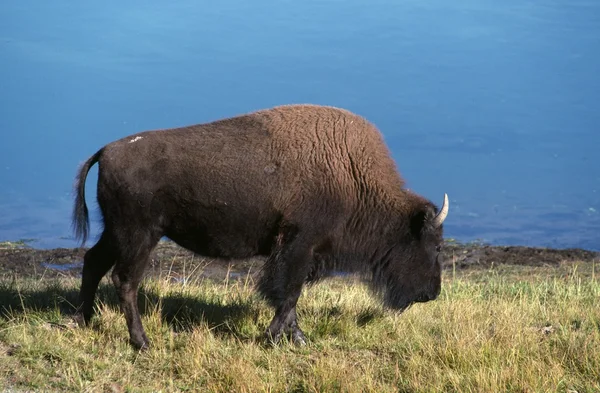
x=224, y=230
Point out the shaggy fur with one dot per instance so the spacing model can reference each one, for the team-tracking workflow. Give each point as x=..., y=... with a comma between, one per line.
x=313, y=188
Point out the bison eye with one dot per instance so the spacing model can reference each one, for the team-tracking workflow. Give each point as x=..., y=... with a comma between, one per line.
x=438, y=248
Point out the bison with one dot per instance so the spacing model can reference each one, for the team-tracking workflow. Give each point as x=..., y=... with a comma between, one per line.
x=312, y=188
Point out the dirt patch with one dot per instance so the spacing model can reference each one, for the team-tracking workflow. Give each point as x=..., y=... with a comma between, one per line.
x=465, y=256
x=175, y=263
x=168, y=261
x=24, y=262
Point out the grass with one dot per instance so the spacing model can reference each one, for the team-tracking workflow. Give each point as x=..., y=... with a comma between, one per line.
x=7, y=245
x=506, y=329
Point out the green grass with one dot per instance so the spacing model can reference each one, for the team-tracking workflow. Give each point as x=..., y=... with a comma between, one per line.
x=509, y=329
x=7, y=245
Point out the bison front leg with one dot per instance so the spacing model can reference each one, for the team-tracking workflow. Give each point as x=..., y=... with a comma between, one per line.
x=284, y=275
x=293, y=330
x=284, y=322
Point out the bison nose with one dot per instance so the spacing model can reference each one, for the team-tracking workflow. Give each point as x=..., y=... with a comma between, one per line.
x=425, y=297
x=428, y=296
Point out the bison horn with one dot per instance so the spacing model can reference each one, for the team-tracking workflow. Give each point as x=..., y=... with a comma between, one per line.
x=441, y=216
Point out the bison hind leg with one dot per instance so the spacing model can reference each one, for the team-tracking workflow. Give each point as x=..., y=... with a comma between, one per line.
x=96, y=263
x=133, y=257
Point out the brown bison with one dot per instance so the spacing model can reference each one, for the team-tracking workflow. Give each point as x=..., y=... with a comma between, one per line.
x=313, y=188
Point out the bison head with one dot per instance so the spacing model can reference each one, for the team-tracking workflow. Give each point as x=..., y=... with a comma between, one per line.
x=410, y=270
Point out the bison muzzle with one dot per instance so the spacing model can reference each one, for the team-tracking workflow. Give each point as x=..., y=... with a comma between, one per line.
x=312, y=188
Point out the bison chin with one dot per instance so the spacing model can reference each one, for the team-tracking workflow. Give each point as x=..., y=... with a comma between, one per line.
x=400, y=299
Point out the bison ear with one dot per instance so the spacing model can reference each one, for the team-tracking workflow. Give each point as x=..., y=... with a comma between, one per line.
x=421, y=222
x=417, y=224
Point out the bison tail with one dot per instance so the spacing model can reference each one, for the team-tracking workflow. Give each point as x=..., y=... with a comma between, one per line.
x=81, y=222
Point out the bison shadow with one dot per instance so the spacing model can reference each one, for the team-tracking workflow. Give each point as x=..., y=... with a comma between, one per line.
x=181, y=312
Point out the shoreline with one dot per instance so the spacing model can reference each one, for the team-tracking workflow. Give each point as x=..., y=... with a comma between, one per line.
x=176, y=263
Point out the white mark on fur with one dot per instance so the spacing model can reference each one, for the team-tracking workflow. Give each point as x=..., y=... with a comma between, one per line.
x=137, y=138
x=270, y=168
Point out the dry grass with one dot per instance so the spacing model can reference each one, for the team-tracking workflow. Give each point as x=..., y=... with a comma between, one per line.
x=509, y=329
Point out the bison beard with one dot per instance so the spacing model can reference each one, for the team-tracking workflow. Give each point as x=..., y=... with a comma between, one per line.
x=313, y=188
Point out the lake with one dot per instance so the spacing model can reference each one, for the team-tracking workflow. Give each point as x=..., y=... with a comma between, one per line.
x=495, y=103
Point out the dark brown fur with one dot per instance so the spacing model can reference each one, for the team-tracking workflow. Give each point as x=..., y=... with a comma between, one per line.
x=311, y=187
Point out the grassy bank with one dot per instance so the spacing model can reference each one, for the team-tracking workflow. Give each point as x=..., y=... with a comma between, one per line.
x=504, y=329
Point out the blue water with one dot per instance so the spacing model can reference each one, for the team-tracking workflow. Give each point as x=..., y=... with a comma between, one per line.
x=495, y=103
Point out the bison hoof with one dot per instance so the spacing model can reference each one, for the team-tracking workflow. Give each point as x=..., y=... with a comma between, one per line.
x=140, y=343
x=140, y=346
x=272, y=339
x=298, y=337
x=81, y=320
